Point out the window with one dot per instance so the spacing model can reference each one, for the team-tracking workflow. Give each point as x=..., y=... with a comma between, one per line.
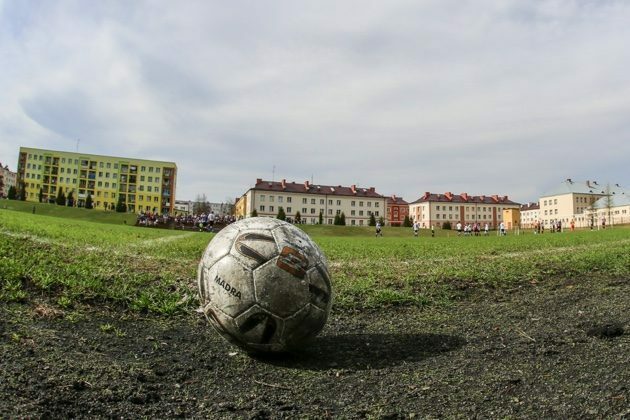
x=280, y=199
x=149, y=188
x=262, y=197
x=555, y=201
x=437, y=207
x=376, y=204
x=100, y=164
x=330, y=202
x=360, y=203
x=360, y=212
x=109, y=165
x=261, y=208
x=288, y=199
x=352, y=212
x=352, y=222
x=141, y=178
x=312, y=201
x=303, y=210
x=312, y=210
x=353, y=203
x=329, y=211
x=271, y=198
x=289, y=210
x=157, y=170
x=150, y=168
x=321, y=201
x=304, y=200
x=338, y=212
x=338, y=202
x=270, y=208
x=369, y=204
x=143, y=168
x=151, y=180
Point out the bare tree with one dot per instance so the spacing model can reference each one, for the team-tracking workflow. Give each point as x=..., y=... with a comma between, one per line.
x=608, y=203
x=201, y=205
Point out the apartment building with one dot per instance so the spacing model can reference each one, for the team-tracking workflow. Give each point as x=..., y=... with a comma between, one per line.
x=615, y=211
x=143, y=185
x=436, y=209
x=397, y=210
x=311, y=200
x=530, y=214
x=571, y=200
x=8, y=179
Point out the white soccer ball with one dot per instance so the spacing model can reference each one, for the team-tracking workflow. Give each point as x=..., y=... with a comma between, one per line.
x=264, y=285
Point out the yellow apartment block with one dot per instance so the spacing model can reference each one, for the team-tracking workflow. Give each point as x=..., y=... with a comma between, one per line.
x=143, y=185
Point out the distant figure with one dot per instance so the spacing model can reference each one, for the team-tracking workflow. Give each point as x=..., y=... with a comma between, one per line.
x=458, y=226
x=378, y=229
x=603, y=223
x=432, y=231
x=33, y=209
x=485, y=229
x=416, y=226
x=572, y=225
x=502, y=229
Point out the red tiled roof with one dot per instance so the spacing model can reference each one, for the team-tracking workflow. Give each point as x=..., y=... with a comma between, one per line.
x=530, y=206
x=308, y=188
x=449, y=197
x=394, y=199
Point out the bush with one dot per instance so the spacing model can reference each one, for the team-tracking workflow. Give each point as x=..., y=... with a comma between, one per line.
x=254, y=213
x=407, y=222
x=446, y=225
x=372, y=221
x=281, y=214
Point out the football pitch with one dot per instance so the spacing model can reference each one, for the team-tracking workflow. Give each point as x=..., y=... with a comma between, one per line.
x=98, y=319
x=72, y=262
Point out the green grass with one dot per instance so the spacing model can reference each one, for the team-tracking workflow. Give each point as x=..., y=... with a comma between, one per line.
x=69, y=212
x=73, y=263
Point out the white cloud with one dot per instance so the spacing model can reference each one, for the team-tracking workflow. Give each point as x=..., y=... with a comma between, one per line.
x=504, y=97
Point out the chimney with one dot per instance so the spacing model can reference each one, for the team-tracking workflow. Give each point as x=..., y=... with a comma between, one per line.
x=394, y=198
x=588, y=183
x=284, y=184
x=505, y=197
x=307, y=184
x=372, y=189
x=354, y=189
x=448, y=195
x=495, y=198
x=482, y=198
x=569, y=181
x=464, y=196
x=426, y=195
x=258, y=180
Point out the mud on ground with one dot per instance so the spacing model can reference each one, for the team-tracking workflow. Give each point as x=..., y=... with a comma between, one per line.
x=554, y=350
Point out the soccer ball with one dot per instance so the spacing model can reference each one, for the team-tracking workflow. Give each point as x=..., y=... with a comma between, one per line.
x=264, y=285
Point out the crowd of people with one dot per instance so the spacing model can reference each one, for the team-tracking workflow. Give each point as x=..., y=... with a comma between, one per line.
x=201, y=222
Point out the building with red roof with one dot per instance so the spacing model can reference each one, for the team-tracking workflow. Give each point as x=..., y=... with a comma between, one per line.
x=436, y=209
x=310, y=200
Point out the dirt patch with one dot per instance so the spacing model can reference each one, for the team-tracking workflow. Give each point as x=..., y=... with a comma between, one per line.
x=555, y=350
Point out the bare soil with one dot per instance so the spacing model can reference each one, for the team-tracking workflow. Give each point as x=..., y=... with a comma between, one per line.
x=555, y=350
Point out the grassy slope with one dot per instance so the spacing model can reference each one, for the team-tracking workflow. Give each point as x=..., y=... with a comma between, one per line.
x=76, y=262
x=69, y=212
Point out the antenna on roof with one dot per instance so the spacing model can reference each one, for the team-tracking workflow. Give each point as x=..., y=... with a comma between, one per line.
x=273, y=173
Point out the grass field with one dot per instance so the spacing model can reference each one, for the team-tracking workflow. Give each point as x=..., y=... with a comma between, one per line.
x=87, y=258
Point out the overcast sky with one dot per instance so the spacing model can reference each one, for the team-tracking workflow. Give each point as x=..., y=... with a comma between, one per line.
x=487, y=97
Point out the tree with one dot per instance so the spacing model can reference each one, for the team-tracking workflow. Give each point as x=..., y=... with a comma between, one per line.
x=372, y=221
x=407, y=222
x=281, y=214
x=70, y=199
x=22, y=191
x=201, y=205
x=254, y=213
x=88, y=202
x=121, y=207
x=446, y=225
x=337, y=220
x=608, y=204
x=298, y=218
x=12, y=194
x=61, y=198
x=41, y=195
x=342, y=219
x=321, y=218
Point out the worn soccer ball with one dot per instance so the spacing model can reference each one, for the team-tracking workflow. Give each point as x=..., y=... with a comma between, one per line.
x=264, y=285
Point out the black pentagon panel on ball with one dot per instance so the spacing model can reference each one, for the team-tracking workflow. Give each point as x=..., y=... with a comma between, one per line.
x=259, y=330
